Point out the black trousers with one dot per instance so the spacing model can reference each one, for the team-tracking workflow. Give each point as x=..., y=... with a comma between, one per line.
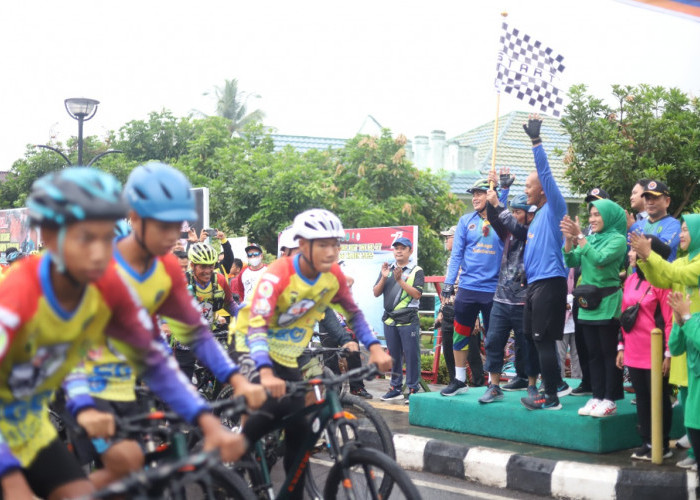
x=606, y=377
x=448, y=330
x=641, y=381
x=694, y=436
x=543, y=322
x=582, y=350
x=354, y=361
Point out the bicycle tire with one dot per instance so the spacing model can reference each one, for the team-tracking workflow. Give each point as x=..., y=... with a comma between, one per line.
x=372, y=432
x=230, y=485
x=364, y=466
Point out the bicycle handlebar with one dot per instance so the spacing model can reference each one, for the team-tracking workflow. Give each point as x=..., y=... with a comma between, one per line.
x=367, y=371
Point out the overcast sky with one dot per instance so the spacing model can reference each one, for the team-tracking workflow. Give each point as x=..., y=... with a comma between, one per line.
x=320, y=67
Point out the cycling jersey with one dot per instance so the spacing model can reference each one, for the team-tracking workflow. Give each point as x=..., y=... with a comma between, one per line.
x=212, y=297
x=40, y=343
x=162, y=290
x=278, y=322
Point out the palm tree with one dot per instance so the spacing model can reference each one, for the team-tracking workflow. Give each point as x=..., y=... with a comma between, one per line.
x=232, y=104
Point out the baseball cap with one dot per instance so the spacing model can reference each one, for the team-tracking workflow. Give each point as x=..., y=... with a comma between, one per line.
x=450, y=232
x=657, y=188
x=596, y=193
x=253, y=246
x=403, y=241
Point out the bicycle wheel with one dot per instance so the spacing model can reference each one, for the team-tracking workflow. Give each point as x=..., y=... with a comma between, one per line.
x=370, y=429
x=228, y=485
x=367, y=470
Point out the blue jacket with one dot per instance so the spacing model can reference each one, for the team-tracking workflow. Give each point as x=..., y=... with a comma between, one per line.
x=477, y=254
x=543, y=258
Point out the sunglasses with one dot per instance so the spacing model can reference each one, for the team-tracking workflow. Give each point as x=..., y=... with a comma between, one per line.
x=254, y=254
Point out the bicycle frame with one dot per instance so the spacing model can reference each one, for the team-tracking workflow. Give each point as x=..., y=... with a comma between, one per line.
x=326, y=415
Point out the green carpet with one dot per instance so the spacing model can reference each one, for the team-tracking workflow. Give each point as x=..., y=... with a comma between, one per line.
x=508, y=419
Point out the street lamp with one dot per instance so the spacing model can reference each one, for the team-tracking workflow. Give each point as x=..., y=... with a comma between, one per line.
x=82, y=109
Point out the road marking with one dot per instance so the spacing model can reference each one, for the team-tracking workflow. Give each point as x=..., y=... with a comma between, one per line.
x=390, y=406
x=461, y=491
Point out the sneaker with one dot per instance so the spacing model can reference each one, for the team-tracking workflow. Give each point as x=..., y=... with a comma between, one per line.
x=688, y=463
x=589, y=407
x=644, y=453
x=393, y=394
x=361, y=392
x=456, y=387
x=410, y=392
x=516, y=384
x=605, y=408
x=541, y=402
x=532, y=391
x=563, y=390
x=683, y=443
x=493, y=393
x=634, y=402
x=582, y=391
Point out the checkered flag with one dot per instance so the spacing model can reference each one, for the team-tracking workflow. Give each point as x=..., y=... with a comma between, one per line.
x=528, y=70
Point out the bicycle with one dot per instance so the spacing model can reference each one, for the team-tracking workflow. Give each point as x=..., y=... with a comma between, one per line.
x=205, y=381
x=172, y=471
x=356, y=470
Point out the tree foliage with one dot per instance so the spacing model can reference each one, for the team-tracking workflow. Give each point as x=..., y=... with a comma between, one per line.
x=649, y=132
x=257, y=191
x=232, y=104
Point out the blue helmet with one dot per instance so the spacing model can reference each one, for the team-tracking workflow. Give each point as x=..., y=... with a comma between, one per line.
x=520, y=201
x=121, y=228
x=75, y=194
x=158, y=191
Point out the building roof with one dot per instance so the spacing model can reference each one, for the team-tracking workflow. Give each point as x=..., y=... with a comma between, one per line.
x=513, y=150
x=304, y=143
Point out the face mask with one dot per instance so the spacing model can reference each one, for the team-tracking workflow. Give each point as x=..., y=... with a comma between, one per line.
x=254, y=261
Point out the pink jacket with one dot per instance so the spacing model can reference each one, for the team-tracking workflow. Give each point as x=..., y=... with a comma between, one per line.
x=638, y=341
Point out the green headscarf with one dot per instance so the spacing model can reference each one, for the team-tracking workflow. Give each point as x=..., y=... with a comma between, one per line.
x=693, y=223
x=614, y=218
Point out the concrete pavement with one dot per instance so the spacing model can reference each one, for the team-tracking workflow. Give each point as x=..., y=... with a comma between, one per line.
x=530, y=468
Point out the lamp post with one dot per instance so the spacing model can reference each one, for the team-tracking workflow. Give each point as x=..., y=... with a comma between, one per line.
x=82, y=109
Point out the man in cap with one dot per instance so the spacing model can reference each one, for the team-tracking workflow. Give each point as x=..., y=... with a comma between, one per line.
x=402, y=287
x=658, y=222
x=597, y=193
x=477, y=252
x=246, y=280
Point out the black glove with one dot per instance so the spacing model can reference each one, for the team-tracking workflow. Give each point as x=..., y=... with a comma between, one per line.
x=533, y=130
x=447, y=290
x=507, y=181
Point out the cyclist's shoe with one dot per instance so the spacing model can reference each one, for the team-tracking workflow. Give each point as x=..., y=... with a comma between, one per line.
x=517, y=384
x=582, y=390
x=541, y=402
x=408, y=396
x=493, y=393
x=393, y=394
x=456, y=387
x=361, y=392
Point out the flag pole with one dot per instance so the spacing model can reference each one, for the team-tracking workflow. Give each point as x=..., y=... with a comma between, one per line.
x=495, y=125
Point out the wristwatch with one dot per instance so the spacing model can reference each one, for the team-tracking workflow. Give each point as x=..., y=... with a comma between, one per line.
x=686, y=318
x=580, y=236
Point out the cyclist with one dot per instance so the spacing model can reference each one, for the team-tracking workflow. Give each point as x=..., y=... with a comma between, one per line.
x=212, y=293
x=274, y=327
x=54, y=307
x=160, y=199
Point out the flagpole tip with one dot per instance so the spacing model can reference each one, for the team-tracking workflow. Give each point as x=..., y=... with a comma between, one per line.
x=504, y=14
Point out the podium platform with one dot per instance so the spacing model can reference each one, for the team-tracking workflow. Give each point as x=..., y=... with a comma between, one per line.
x=510, y=420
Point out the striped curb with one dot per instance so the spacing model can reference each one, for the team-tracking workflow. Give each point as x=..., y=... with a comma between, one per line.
x=541, y=476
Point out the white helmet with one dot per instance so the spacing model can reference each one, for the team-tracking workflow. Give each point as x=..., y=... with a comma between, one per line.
x=317, y=223
x=287, y=239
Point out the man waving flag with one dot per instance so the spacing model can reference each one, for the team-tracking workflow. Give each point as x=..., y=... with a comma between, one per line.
x=528, y=70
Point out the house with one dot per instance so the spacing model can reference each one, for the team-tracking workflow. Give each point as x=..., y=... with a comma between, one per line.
x=466, y=158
